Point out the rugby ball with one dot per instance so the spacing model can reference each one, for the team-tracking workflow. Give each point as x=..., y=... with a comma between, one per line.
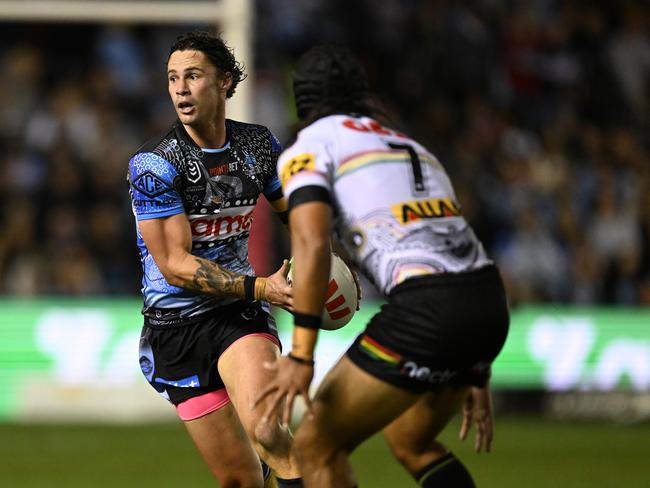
x=341, y=301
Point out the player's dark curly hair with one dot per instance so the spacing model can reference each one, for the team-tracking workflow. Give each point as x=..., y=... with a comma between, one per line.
x=216, y=50
x=329, y=79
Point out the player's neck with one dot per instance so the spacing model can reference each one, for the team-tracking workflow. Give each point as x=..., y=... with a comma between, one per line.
x=212, y=135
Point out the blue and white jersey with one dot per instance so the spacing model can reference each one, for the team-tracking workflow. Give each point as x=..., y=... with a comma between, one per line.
x=217, y=189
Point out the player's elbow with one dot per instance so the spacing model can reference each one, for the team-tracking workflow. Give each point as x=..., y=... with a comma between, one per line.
x=172, y=271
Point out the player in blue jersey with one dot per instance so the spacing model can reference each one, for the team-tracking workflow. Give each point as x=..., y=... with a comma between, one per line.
x=207, y=328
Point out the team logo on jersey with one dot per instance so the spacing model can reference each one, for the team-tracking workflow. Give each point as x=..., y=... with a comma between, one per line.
x=193, y=171
x=151, y=185
x=434, y=208
x=295, y=165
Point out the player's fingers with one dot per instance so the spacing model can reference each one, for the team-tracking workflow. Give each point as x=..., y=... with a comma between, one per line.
x=260, y=398
x=284, y=269
x=309, y=406
x=288, y=408
x=489, y=436
x=274, y=404
x=464, y=428
x=478, y=440
x=481, y=435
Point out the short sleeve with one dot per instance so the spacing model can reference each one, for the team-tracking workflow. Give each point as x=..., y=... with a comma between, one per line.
x=153, y=194
x=273, y=188
x=304, y=164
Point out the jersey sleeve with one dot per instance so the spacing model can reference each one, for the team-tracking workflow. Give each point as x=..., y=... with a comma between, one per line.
x=152, y=189
x=273, y=188
x=303, y=170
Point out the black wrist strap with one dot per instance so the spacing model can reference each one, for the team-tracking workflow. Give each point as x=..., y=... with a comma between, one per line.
x=306, y=320
x=307, y=362
x=249, y=288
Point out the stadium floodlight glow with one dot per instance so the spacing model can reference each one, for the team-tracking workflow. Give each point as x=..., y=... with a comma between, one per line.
x=232, y=16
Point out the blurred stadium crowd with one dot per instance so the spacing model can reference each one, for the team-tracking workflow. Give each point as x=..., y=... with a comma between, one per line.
x=539, y=110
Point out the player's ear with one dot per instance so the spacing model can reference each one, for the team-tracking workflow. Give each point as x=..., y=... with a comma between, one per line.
x=225, y=82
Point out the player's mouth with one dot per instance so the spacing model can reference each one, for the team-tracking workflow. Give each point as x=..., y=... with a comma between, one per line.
x=185, y=107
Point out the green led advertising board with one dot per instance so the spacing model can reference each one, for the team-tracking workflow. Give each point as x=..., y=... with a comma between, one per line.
x=86, y=344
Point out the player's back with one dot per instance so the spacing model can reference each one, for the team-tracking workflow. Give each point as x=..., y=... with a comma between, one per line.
x=398, y=215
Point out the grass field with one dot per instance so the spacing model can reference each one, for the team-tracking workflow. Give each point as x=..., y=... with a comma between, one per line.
x=527, y=452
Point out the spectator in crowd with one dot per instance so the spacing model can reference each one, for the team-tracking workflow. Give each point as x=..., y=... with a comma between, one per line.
x=541, y=107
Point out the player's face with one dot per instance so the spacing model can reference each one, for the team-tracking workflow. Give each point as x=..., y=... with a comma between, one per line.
x=196, y=87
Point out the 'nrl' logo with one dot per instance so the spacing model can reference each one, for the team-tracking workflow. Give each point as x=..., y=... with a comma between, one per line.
x=193, y=171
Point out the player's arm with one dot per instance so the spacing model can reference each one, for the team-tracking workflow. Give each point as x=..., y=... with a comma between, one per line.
x=279, y=205
x=169, y=240
x=310, y=243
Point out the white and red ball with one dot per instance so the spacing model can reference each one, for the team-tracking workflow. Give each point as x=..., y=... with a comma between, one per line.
x=341, y=301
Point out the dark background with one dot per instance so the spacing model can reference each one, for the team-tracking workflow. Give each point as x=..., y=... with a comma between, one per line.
x=538, y=110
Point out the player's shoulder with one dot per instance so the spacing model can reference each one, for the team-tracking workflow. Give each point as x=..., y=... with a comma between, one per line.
x=158, y=143
x=322, y=129
x=240, y=129
x=252, y=135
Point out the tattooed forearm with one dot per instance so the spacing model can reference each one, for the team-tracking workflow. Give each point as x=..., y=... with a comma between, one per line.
x=210, y=278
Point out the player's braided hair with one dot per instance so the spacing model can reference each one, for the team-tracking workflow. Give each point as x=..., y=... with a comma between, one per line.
x=328, y=79
x=216, y=50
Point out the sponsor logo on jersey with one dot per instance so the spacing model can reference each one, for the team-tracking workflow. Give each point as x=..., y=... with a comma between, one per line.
x=426, y=374
x=433, y=208
x=151, y=185
x=225, y=224
x=295, y=165
x=371, y=126
x=190, y=382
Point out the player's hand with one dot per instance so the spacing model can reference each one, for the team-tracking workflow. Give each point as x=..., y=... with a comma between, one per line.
x=357, y=283
x=291, y=379
x=278, y=292
x=478, y=411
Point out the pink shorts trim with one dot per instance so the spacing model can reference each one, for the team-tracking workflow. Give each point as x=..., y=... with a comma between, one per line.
x=266, y=335
x=202, y=405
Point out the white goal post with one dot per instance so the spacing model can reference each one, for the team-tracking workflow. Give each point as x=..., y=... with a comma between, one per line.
x=234, y=18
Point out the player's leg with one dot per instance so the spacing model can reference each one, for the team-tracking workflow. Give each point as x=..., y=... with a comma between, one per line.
x=349, y=407
x=412, y=439
x=226, y=449
x=241, y=368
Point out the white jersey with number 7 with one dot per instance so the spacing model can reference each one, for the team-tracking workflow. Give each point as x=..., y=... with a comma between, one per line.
x=396, y=210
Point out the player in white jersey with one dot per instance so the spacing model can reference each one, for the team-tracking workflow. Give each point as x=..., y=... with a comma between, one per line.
x=427, y=354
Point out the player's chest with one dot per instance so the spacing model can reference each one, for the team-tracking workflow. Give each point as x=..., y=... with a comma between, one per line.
x=219, y=180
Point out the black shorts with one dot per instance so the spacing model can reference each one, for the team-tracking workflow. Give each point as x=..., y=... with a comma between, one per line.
x=436, y=330
x=180, y=361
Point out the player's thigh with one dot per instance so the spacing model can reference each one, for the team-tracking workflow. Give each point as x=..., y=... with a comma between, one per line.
x=242, y=369
x=416, y=429
x=350, y=406
x=224, y=445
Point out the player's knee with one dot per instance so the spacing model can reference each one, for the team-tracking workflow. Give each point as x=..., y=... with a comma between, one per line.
x=410, y=454
x=312, y=446
x=269, y=436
